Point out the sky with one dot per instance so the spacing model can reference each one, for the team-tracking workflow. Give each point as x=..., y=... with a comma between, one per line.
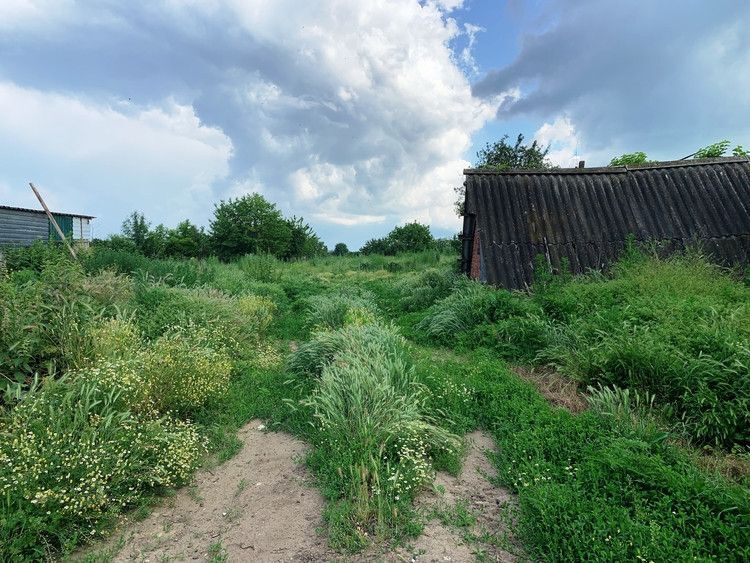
x=357, y=115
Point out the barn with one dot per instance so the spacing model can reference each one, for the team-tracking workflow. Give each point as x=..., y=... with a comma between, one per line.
x=585, y=215
x=22, y=227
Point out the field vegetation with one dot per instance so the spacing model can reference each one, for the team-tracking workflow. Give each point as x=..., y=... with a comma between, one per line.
x=122, y=374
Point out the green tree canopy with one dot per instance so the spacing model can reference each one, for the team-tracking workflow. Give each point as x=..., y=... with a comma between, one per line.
x=186, y=241
x=304, y=243
x=629, y=159
x=411, y=237
x=340, y=249
x=249, y=225
x=502, y=155
x=136, y=228
x=714, y=150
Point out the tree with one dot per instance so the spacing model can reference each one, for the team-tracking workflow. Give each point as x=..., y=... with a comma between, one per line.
x=629, y=159
x=186, y=241
x=340, y=249
x=411, y=237
x=501, y=155
x=249, y=225
x=714, y=150
x=136, y=228
x=304, y=243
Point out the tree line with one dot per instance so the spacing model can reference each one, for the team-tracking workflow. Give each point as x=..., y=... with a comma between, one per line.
x=246, y=225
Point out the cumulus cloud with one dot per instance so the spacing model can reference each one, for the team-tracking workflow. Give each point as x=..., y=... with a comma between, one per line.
x=663, y=77
x=348, y=113
x=93, y=157
x=563, y=142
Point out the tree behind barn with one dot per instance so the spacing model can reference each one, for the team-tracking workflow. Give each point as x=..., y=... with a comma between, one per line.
x=501, y=155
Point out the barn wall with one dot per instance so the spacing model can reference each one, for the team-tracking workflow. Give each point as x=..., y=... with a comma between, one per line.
x=584, y=216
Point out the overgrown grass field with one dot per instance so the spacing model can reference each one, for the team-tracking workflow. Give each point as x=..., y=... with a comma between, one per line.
x=122, y=375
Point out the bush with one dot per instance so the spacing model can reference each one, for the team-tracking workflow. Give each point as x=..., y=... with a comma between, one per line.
x=72, y=456
x=109, y=291
x=114, y=339
x=470, y=306
x=428, y=287
x=236, y=323
x=44, y=322
x=190, y=273
x=183, y=370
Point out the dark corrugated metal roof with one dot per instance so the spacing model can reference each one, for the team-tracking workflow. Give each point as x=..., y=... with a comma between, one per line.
x=11, y=208
x=586, y=214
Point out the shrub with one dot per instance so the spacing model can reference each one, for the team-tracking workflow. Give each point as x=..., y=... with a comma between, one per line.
x=114, y=339
x=45, y=322
x=430, y=286
x=236, y=323
x=190, y=273
x=184, y=370
x=469, y=306
x=109, y=290
x=72, y=456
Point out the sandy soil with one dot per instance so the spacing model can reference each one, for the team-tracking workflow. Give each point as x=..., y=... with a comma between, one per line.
x=256, y=505
x=440, y=542
x=259, y=507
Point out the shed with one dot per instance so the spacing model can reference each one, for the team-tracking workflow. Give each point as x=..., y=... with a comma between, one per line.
x=22, y=227
x=585, y=215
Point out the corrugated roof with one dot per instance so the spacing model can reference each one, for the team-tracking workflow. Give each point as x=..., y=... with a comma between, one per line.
x=11, y=208
x=585, y=214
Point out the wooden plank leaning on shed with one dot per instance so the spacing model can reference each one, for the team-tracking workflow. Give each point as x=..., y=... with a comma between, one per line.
x=52, y=220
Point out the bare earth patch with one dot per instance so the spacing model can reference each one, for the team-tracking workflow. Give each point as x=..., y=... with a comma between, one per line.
x=487, y=535
x=254, y=507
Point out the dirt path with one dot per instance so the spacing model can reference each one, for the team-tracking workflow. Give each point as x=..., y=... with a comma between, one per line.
x=465, y=514
x=254, y=507
x=258, y=507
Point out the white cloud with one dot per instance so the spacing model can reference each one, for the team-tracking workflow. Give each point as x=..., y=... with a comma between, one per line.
x=93, y=156
x=346, y=112
x=386, y=113
x=467, y=56
x=563, y=141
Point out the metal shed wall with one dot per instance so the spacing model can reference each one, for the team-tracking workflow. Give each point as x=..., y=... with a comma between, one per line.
x=22, y=227
x=585, y=215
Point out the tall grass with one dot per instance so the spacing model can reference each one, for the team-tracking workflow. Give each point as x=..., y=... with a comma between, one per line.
x=374, y=433
x=603, y=485
x=677, y=328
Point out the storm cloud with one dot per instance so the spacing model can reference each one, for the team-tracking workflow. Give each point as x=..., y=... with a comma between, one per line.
x=664, y=77
x=344, y=112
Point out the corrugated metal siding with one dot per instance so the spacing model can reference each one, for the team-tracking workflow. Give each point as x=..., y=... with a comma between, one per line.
x=86, y=229
x=585, y=215
x=21, y=227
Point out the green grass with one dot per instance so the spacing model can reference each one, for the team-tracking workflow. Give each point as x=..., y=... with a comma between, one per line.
x=396, y=357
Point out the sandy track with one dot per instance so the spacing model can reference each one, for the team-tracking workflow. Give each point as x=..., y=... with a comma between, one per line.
x=442, y=543
x=256, y=505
